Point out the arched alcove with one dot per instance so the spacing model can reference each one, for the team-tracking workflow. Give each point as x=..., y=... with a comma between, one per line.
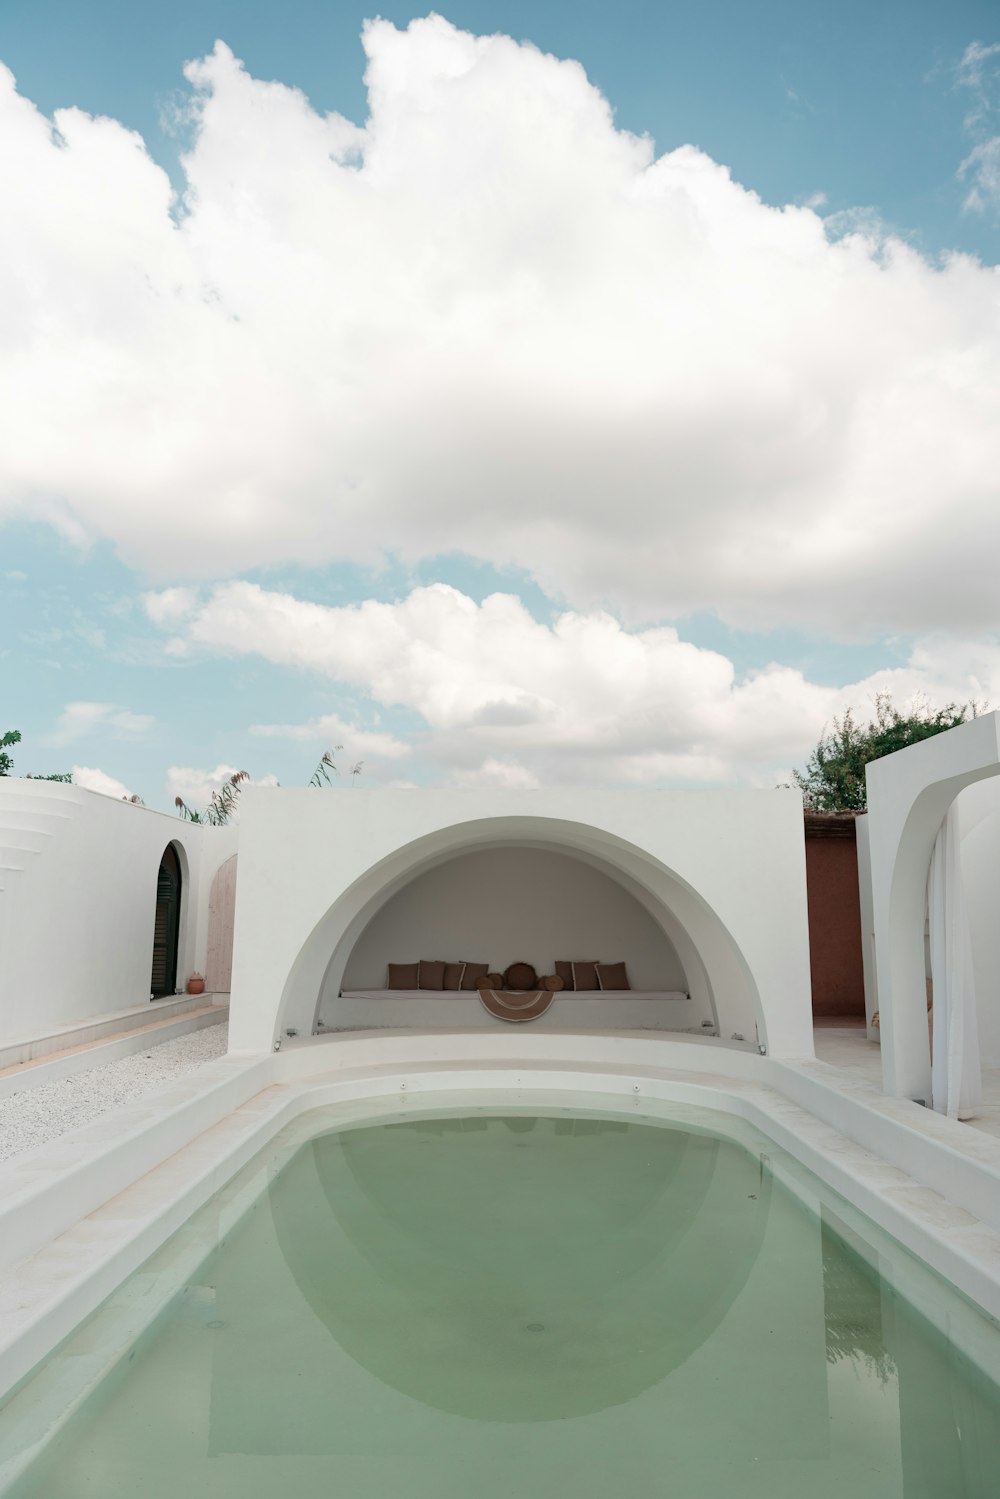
x=715, y=969
x=516, y=902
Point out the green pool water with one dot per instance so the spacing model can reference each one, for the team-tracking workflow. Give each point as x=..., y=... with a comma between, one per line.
x=512, y=1304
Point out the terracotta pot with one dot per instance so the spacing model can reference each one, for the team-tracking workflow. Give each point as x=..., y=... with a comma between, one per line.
x=196, y=985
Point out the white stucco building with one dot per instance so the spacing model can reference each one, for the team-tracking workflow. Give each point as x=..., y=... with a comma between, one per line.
x=701, y=894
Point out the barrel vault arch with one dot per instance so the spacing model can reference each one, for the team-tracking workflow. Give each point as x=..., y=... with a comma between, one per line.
x=713, y=962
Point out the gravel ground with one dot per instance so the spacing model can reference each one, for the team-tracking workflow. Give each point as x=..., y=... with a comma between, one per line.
x=40, y=1114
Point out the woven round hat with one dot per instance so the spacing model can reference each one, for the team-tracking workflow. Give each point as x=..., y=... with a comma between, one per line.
x=516, y=1007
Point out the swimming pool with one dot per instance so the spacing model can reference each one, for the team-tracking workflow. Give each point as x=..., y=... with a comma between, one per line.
x=509, y=1299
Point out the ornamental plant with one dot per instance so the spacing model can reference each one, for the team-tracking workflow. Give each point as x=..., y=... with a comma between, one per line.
x=834, y=776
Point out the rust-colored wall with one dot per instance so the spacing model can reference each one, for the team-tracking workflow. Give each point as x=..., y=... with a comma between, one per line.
x=838, y=986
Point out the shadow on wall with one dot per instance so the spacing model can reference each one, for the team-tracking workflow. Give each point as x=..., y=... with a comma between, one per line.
x=501, y=905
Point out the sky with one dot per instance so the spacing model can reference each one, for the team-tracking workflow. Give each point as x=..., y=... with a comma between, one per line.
x=514, y=396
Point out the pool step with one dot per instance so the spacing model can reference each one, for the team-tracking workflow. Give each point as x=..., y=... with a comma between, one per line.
x=115, y=1038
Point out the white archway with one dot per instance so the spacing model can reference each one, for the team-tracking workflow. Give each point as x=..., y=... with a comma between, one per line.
x=723, y=873
x=909, y=794
x=705, y=946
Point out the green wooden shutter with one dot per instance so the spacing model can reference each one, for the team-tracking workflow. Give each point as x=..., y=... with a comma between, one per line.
x=166, y=926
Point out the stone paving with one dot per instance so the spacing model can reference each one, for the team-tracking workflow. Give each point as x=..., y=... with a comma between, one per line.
x=849, y=1049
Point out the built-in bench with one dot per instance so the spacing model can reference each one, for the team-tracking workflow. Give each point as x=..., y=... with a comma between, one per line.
x=446, y=1009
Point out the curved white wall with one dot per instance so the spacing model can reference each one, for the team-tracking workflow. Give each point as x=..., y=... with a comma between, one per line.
x=503, y=904
x=78, y=897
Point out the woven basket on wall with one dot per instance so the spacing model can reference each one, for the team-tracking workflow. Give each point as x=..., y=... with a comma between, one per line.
x=520, y=976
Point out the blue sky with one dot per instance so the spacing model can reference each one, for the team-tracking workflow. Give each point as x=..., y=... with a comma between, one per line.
x=708, y=529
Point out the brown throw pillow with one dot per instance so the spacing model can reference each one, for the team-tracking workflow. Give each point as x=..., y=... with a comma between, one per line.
x=453, y=975
x=402, y=976
x=585, y=976
x=565, y=972
x=490, y=981
x=552, y=982
x=430, y=975
x=474, y=972
x=612, y=976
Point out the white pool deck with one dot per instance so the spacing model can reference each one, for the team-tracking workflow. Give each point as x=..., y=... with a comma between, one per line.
x=80, y=1213
x=848, y=1049
x=56, y=1106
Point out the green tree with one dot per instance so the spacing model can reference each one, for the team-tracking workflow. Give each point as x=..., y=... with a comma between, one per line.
x=12, y=736
x=834, y=777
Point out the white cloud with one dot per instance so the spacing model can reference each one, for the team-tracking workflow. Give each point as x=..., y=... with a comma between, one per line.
x=507, y=775
x=79, y=719
x=982, y=168
x=490, y=322
x=196, y=787
x=93, y=779
x=170, y=603
x=507, y=700
x=331, y=730
x=979, y=71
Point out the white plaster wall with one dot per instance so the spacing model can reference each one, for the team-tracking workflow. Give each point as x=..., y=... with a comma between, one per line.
x=500, y=905
x=979, y=820
x=77, y=900
x=909, y=794
x=727, y=867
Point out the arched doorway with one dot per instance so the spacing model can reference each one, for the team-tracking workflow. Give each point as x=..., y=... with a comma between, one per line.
x=166, y=925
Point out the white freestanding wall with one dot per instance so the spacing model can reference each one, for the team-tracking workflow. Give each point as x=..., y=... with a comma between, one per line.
x=979, y=821
x=909, y=794
x=77, y=901
x=723, y=874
